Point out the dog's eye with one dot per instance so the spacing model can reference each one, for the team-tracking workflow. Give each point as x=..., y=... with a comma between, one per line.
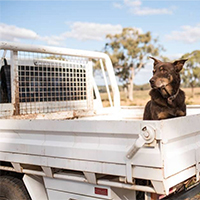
x=163, y=71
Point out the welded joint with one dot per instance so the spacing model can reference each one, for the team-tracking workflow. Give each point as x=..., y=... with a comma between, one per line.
x=17, y=167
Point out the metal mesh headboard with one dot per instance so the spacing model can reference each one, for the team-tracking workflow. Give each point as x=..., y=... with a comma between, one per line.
x=49, y=83
x=52, y=79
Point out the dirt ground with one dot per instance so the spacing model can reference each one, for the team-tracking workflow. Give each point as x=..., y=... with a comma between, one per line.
x=141, y=97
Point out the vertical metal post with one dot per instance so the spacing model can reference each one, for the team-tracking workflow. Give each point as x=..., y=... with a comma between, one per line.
x=115, y=89
x=106, y=83
x=14, y=82
x=129, y=174
x=89, y=85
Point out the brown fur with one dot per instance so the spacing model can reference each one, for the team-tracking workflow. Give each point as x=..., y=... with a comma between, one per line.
x=167, y=99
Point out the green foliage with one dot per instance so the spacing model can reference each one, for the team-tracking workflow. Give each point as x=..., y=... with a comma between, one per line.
x=129, y=50
x=96, y=64
x=191, y=72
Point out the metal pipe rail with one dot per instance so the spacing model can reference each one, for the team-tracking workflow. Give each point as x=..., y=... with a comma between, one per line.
x=104, y=182
x=69, y=52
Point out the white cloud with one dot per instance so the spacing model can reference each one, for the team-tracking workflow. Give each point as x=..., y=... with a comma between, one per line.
x=188, y=34
x=133, y=3
x=118, y=5
x=14, y=33
x=53, y=40
x=135, y=7
x=91, y=31
x=78, y=30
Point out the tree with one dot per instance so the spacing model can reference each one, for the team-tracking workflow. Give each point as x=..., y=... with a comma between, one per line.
x=191, y=71
x=129, y=51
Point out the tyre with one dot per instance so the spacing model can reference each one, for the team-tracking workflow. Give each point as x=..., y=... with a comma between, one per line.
x=12, y=188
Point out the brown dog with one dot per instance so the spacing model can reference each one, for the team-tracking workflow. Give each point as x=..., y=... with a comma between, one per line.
x=167, y=99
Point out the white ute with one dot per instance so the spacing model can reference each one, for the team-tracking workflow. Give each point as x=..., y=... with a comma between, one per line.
x=58, y=141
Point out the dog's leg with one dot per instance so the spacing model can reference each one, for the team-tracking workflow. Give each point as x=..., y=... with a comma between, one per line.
x=180, y=113
x=147, y=112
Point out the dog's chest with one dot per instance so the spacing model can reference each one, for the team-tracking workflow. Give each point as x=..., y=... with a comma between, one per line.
x=165, y=113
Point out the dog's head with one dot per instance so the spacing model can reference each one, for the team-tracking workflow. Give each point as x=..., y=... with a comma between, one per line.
x=166, y=74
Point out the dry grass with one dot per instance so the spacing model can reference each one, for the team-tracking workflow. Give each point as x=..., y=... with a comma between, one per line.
x=142, y=96
x=192, y=100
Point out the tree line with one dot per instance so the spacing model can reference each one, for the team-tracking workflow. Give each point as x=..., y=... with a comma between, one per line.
x=129, y=52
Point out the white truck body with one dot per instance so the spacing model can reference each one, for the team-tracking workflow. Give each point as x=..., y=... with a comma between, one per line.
x=76, y=149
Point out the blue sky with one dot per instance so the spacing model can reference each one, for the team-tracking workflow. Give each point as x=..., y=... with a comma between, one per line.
x=84, y=24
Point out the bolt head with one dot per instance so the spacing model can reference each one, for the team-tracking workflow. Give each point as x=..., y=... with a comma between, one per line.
x=146, y=134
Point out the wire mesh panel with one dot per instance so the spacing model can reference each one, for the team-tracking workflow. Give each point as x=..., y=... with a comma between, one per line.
x=51, y=79
x=50, y=83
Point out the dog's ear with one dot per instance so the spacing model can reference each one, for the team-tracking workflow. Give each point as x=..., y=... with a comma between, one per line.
x=178, y=64
x=156, y=61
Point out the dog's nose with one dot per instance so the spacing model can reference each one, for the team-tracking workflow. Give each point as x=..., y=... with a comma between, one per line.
x=152, y=81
